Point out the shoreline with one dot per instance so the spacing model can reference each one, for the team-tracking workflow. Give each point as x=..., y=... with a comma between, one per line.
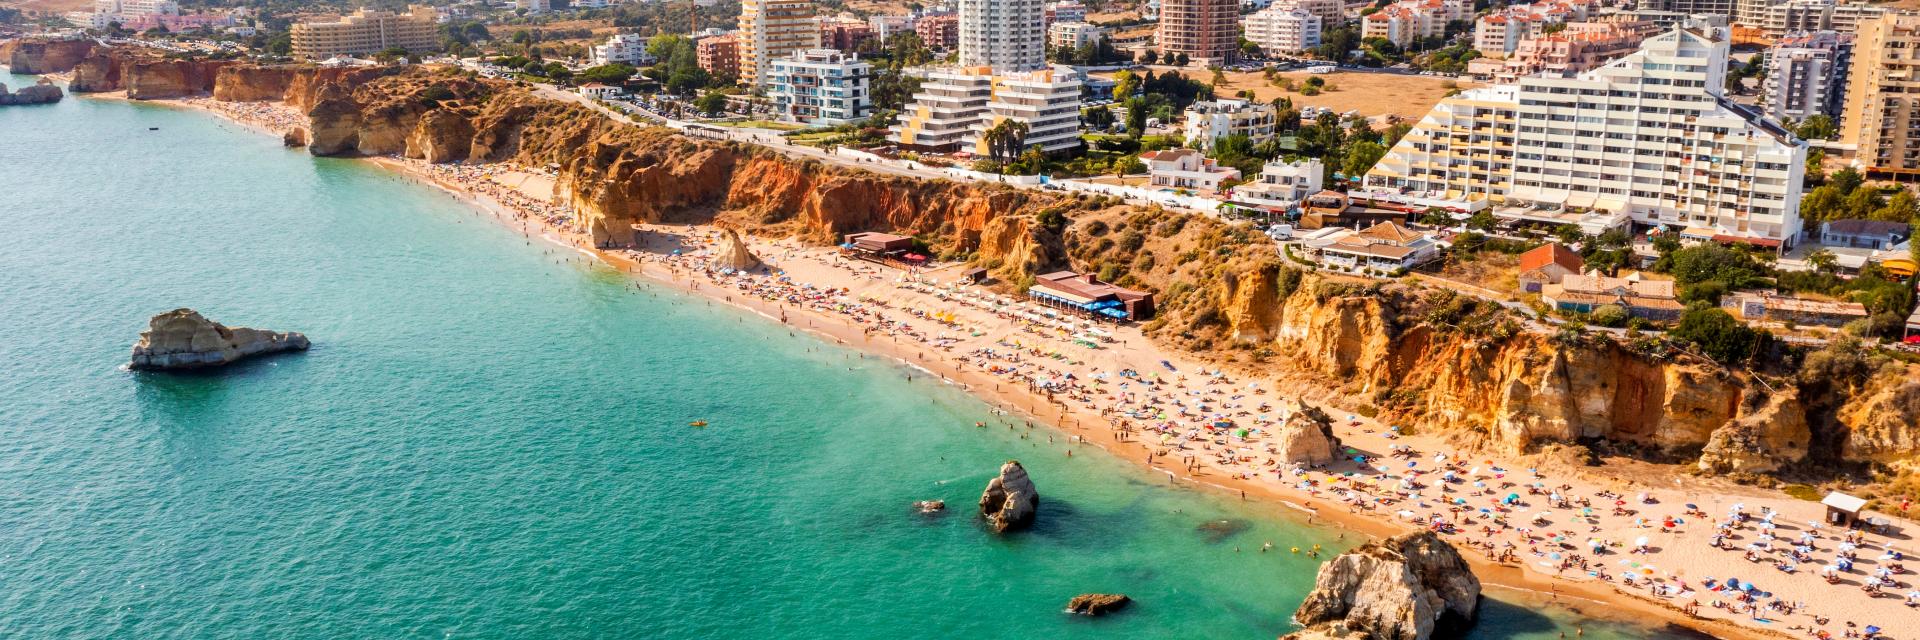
x=1061, y=416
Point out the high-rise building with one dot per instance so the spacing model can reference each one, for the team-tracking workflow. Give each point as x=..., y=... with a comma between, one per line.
x=1283, y=27
x=367, y=31
x=845, y=35
x=1649, y=137
x=772, y=29
x=955, y=107
x=1882, y=110
x=1807, y=75
x=1206, y=31
x=719, y=56
x=821, y=86
x=1007, y=35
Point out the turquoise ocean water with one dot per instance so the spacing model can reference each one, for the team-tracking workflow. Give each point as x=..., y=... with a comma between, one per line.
x=486, y=444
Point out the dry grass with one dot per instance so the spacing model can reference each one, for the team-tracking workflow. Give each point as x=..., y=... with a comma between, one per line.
x=49, y=6
x=1371, y=94
x=875, y=7
x=1495, y=271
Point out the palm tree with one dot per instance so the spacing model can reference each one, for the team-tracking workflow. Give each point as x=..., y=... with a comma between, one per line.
x=1006, y=139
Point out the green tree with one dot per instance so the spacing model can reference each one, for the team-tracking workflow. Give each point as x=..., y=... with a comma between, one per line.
x=614, y=73
x=1823, y=203
x=1136, y=117
x=1901, y=207
x=1129, y=165
x=1816, y=127
x=1125, y=84
x=711, y=102
x=1716, y=333
x=1361, y=156
x=1098, y=118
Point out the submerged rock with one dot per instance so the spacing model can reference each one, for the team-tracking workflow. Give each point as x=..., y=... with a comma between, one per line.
x=184, y=339
x=1010, y=500
x=930, y=506
x=1409, y=587
x=1097, y=604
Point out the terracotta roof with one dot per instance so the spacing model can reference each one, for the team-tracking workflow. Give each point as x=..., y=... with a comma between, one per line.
x=1393, y=232
x=1551, y=253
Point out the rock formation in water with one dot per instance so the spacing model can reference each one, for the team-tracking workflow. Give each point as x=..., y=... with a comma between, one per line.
x=183, y=339
x=733, y=254
x=1009, y=503
x=1306, y=437
x=1097, y=604
x=43, y=92
x=1413, y=586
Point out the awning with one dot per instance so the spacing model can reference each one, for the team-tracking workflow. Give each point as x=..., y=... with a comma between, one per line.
x=1698, y=233
x=1580, y=199
x=1615, y=205
x=1758, y=242
x=1844, y=502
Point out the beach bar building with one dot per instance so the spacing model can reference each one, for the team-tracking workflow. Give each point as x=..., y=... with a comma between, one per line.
x=884, y=248
x=1083, y=293
x=1842, y=509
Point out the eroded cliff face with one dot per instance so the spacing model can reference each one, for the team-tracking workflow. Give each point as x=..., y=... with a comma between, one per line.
x=143, y=75
x=1428, y=361
x=34, y=56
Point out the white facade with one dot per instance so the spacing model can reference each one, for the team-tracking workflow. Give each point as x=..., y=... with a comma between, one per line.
x=133, y=8
x=1807, y=75
x=1067, y=11
x=1186, y=169
x=886, y=26
x=1074, y=34
x=1209, y=121
x=1498, y=33
x=1649, y=135
x=1008, y=35
x=821, y=86
x=1788, y=17
x=954, y=106
x=1283, y=184
x=1283, y=28
x=626, y=48
x=533, y=6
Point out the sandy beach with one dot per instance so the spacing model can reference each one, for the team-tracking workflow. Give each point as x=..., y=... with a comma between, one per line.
x=1721, y=558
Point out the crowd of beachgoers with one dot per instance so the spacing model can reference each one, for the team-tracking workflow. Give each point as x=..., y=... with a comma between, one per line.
x=1766, y=563
x=274, y=117
x=1772, y=569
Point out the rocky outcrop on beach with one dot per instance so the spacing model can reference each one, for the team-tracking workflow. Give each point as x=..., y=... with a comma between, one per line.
x=44, y=92
x=1413, y=586
x=35, y=56
x=1097, y=604
x=255, y=83
x=1306, y=437
x=144, y=74
x=734, y=254
x=1010, y=501
x=184, y=339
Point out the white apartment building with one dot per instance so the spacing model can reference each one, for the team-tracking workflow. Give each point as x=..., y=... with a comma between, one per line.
x=821, y=86
x=885, y=26
x=1498, y=33
x=625, y=48
x=1283, y=28
x=533, y=6
x=955, y=105
x=1067, y=11
x=1047, y=100
x=1407, y=21
x=133, y=8
x=1815, y=15
x=1807, y=75
x=1209, y=121
x=1074, y=34
x=771, y=29
x=1649, y=136
x=1333, y=13
x=1282, y=184
x=1008, y=35
x=1186, y=169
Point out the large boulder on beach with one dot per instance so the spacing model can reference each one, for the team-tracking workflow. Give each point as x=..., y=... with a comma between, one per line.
x=1097, y=604
x=1413, y=586
x=184, y=339
x=734, y=254
x=1010, y=500
x=1306, y=437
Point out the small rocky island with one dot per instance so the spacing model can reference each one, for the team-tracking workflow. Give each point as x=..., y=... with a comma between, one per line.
x=1010, y=500
x=184, y=339
x=1412, y=586
x=1098, y=604
x=43, y=93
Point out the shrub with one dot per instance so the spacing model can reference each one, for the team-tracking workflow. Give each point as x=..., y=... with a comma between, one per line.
x=1609, y=315
x=1717, y=333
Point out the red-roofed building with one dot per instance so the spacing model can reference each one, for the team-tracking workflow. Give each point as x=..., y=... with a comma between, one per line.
x=1548, y=264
